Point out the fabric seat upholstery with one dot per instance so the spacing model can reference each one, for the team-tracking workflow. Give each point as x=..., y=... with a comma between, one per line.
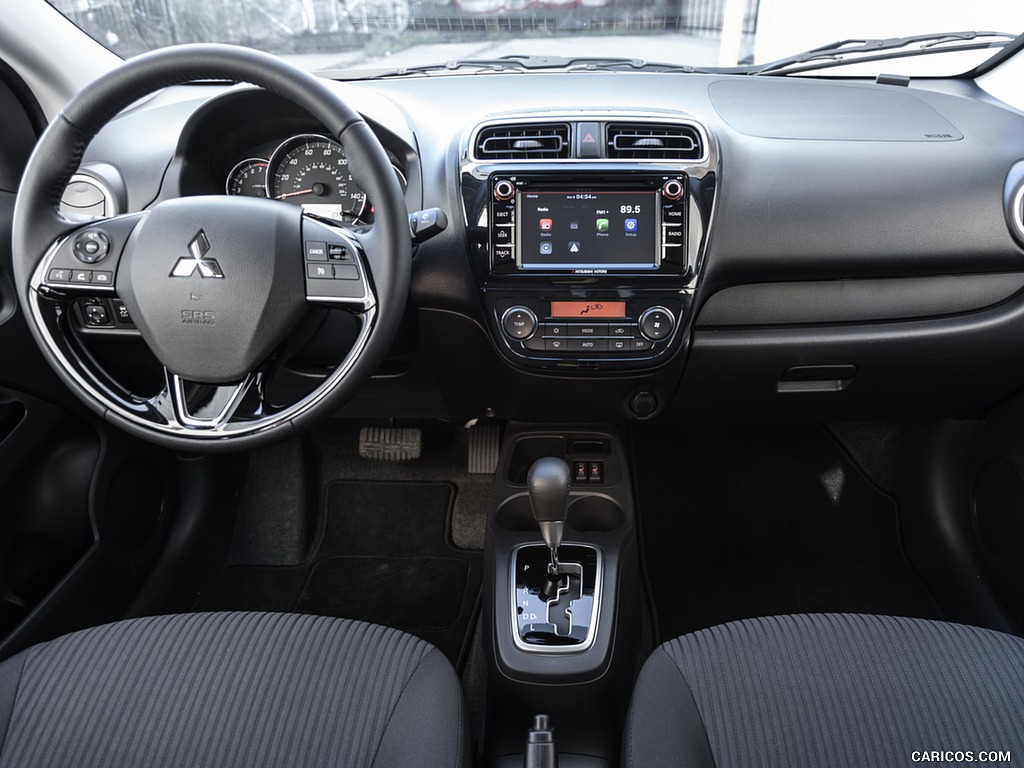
x=230, y=690
x=829, y=689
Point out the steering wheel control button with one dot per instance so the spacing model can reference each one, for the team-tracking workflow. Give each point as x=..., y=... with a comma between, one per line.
x=337, y=253
x=103, y=278
x=316, y=251
x=81, y=276
x=58, y=275
x=657, y=323
x=519, y=323
x=320, y=271
x=346, y=272
x=91, y=246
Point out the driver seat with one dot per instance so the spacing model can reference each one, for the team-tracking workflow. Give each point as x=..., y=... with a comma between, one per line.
x=232, y=690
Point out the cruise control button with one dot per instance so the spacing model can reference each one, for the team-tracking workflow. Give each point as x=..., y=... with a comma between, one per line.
x=316, y=251
x=320, y=271
x=337, y=252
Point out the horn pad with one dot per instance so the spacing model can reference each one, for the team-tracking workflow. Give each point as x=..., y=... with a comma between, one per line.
x=214, y=283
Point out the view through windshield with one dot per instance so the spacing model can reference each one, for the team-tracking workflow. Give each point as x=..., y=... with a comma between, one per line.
x=347, y=34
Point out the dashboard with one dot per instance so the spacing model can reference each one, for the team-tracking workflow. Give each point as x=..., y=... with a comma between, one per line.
x=648, y=246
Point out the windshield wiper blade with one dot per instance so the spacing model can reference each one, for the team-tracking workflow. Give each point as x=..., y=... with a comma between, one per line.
x=858, y=50
x=518, y=64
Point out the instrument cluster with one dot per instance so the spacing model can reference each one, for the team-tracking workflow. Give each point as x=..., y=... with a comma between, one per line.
x=306, y=169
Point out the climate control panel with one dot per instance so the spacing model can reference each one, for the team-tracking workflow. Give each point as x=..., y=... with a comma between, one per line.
x=591, y=333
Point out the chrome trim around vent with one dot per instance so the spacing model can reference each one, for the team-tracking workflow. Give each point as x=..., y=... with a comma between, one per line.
x=524, y=141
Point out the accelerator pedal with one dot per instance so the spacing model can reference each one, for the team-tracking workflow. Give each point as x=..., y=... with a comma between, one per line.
x=484, y=447
x=390, y=443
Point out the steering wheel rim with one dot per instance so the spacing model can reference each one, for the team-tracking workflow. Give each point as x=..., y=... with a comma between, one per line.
x=381, y=255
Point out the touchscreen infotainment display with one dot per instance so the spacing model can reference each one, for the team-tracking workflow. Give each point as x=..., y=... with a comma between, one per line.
x=582, y=231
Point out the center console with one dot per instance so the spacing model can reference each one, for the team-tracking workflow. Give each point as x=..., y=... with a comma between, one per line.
x=562, y=595
x=587, y=256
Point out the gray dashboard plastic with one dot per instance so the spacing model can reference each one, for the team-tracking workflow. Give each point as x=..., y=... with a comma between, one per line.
x=798, y=109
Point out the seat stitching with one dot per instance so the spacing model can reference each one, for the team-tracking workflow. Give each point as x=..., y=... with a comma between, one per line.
x=686, y=685
x=398, y=701
x=14, y=705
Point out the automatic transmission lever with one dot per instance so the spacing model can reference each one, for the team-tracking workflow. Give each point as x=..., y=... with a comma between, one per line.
x=548, y=486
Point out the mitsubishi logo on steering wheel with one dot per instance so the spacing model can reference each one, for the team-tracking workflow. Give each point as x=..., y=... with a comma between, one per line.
x=198, y=247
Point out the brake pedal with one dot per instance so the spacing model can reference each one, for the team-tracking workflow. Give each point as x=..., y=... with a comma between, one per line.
x=390, y=443
x=484, y=447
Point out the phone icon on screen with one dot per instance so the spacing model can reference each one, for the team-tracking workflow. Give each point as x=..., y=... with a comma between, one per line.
x=602, y=225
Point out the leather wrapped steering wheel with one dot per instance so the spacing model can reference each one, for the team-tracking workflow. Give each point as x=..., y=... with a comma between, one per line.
x=244, y=258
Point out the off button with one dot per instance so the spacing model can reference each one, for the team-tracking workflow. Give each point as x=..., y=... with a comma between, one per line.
x=519, y=323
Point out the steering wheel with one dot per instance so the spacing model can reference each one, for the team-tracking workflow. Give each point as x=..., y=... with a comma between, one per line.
x=213, y=284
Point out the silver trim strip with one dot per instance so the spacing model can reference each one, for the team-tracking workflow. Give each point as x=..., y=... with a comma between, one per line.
x=595, y=611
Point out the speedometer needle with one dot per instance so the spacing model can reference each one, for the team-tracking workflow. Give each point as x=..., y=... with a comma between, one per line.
x=293, y=194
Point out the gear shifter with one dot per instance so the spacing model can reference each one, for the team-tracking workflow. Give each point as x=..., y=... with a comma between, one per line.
x=548, y=485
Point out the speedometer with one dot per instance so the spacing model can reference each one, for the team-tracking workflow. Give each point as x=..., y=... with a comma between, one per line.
x=312, y=171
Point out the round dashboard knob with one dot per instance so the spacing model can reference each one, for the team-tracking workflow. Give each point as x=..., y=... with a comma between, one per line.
x=672, y=189
x=504, y=190
x=519, y=323
x=656, y=323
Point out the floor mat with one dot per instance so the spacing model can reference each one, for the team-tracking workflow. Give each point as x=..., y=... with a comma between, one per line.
x=740, y=521
x=383, y=557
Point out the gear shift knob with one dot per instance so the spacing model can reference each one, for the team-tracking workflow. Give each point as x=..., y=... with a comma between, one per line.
x=548, y=485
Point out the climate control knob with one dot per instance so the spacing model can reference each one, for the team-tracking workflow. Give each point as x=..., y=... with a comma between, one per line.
x=504, y=190
x=519, y=323
x=656, y=323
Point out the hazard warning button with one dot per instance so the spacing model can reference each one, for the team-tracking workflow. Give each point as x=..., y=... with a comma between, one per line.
x=588, y=140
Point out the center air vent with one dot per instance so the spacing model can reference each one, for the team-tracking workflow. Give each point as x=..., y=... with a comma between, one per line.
x=535, y=141
x=654, y=141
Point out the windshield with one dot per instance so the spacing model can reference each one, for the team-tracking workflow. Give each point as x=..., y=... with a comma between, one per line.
x=395, y=34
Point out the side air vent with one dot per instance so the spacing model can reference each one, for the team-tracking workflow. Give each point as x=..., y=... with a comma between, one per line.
x=535, y=141
x=654, y=141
